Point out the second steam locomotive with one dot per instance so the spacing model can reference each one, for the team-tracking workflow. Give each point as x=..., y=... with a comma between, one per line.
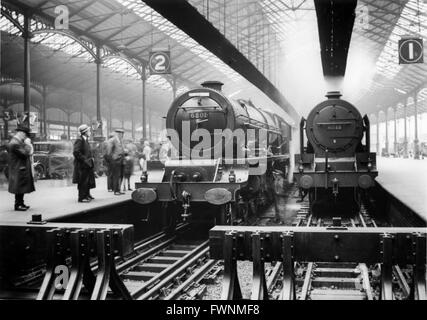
x=227, y=152
x=335, y=167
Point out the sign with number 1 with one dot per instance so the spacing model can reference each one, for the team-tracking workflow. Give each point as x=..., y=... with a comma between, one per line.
x=411, y=50
x=159, y=62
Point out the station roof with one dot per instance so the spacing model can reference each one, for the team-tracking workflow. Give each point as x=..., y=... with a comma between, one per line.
x=279, y=37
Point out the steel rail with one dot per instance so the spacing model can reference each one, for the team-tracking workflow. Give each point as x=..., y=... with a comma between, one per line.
x=164, y=277
x=148, y=286
x=194, y=278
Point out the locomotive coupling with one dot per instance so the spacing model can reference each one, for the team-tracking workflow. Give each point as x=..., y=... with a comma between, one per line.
x=144, y=177
x=232, y=176
x=335, y=182
x=186, y=196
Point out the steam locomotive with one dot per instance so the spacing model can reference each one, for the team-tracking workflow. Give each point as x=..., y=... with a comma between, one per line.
x=335, y=167
x=227, y=152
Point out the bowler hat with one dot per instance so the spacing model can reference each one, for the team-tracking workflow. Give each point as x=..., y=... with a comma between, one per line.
x=120, y=130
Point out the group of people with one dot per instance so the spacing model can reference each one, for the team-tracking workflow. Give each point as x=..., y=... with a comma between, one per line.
x=119, y=161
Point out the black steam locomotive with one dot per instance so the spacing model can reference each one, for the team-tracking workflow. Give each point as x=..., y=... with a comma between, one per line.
x=335, y=168
x=213, y=165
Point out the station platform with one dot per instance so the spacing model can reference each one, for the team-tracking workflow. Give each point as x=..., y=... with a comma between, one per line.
x=406, y=180
x=55, y=199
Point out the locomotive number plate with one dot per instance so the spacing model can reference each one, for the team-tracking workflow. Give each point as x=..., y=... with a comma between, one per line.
x=199, y=115
x=334, y=127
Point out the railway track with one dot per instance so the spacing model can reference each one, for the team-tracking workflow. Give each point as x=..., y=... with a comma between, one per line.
x=147, y=277
x=326, y=281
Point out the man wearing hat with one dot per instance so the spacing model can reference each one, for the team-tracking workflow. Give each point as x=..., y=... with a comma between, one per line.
x=115, y=151
x=83, y=165
x=21, y=179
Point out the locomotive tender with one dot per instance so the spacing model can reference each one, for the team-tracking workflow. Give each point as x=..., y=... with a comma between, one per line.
x=235, y=182
x=335, y=167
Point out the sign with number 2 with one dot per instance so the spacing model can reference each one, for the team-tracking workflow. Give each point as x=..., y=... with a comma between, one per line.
x=159, y=62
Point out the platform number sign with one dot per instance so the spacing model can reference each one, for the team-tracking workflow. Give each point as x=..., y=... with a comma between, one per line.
x=411, y=50
x=160, y=62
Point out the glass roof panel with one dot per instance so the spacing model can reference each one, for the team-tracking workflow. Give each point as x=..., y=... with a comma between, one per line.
x=412, y=22
x=7, y=26
x=60, y=42
x=176, y=34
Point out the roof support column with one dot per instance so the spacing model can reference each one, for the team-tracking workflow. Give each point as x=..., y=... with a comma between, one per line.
x=378, y=134
x=81, y=109
x=405, y=136
x=144, y=119
x=386, y=132
x=396, y=148
x=133, y=123
x=6, y=122
x=110, y=120
x=43, y=112
x=174, y=87
x=149, y=124
x=68, y=126
x=416, y=142
x=27, y=71
x=98, y=92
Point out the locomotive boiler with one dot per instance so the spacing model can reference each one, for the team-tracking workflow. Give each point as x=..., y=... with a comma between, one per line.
x=226, y=154
x=335, y=167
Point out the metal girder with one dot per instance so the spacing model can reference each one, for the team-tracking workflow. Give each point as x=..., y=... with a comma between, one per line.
x=259, y=284
x=185, y=16
x=335, y=21
x=230, y=285
x=387, y=246
x=320, y=244
x=82, y=8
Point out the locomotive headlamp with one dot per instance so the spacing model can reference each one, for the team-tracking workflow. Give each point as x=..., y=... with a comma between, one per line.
x=232, y=176
x=196, y=176
x=144, y=177
x=301, y=168
x=369, y=165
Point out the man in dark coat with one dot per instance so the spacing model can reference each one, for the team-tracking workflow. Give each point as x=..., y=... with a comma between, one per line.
x=83, y=174
x=20, y=172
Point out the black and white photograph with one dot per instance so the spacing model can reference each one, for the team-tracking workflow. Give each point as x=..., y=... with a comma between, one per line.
x=220, y=157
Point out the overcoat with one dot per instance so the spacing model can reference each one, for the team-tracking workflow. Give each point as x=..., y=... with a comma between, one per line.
x=20, y=174
x=83, y=162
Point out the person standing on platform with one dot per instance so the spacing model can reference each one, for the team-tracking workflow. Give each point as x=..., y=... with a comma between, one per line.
x=128, y=164
x=108, y=165
x=21, y=179
x=83, y=174
x=146, y=155
x=115, y=152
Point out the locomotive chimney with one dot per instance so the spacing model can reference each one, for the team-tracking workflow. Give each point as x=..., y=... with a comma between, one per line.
x=215, y=85
x=333, y=95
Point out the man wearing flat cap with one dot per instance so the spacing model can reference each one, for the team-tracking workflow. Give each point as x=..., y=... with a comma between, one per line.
x=21, y=179
x=83, y=174
x=115, y=152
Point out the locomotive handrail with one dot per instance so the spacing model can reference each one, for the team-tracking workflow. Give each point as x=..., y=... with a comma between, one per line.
x=368, y=133
x=301, y=133
x=210, y=108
